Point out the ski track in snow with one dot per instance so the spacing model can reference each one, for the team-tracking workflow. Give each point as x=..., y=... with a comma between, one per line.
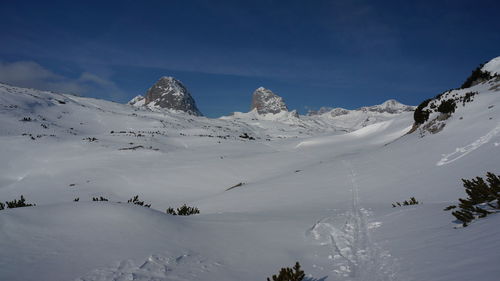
x=462, y=151
x=354, y=256
x=155, y=268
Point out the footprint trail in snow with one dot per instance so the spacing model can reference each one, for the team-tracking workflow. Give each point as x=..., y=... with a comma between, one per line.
x=462, y=151
x=352, y=254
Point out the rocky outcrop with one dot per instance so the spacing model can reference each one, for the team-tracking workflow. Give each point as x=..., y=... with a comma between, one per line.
x=168, y=93
x=265, y=101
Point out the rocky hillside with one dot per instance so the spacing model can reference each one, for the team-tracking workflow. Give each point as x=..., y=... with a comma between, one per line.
x=432, y=115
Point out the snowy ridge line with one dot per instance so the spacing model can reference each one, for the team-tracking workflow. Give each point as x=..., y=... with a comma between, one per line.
x=462, y=151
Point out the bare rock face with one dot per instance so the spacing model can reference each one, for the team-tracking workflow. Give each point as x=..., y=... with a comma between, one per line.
x=168, y=93
x=265, y=101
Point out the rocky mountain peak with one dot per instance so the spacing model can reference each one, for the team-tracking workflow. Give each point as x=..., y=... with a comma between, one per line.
x=265, y=101
x=168, y=93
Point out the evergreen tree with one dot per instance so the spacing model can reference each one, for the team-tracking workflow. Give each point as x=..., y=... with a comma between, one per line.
x=18, y=203
x=289, y=274
x=479, y=191
x=135, y=200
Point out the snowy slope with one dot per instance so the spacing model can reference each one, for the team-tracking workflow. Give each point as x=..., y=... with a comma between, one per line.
x=493, y=66
x=318, y=191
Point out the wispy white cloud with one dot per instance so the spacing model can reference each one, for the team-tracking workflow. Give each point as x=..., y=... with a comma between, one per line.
x=33, y=75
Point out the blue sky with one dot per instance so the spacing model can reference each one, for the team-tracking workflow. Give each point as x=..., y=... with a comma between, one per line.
x=313, y=53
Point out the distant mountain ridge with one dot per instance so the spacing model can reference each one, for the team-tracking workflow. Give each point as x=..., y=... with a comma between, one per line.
x=390, y=106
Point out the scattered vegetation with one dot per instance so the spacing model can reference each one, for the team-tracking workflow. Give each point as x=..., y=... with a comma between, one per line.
x=135, y=200
x=100, y=198
x=76, y=199
x=184, y=210
x=26, y=119
x=483, y=199
x=468, y=97
x=16, y=204
x=289, y=274
x=412, y=201
x=477, y=75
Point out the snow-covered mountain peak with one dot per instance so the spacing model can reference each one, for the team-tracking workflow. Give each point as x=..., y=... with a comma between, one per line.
x=168, y=93
x=265, y=101
x=493, y=66
x=390, y=106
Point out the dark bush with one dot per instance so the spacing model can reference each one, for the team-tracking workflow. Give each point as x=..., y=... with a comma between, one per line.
x=76, y=199
x=135, y=200
x=447, y=106
x=184, y=210
x=18, y=203
x=449, y=208
x=420, y=115
x=412, y=201
x=99, y=199
x=481, y=199
x=289, y=274
x=171, y=211
x=477, y=75
x=2, y=206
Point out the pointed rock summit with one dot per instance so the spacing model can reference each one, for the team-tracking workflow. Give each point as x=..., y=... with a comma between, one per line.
x=265, y=101
x=168, y=93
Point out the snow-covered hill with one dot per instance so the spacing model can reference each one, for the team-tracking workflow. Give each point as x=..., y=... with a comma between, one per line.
x=315, y=189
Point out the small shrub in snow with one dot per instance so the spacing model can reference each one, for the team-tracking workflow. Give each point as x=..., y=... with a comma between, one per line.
x=76, y=199
x=18, y=203
x=100, y=198
x=135, y=200
x=412, y=201
x=483, y=199
x=184, y=210
x=289, y=274
x=2, y=206
x=447, y=106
